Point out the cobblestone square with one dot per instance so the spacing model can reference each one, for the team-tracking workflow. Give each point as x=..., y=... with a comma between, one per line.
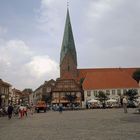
x=98, y=124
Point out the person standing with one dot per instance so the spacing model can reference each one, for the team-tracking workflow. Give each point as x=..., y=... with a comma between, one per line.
x=9, y=111
x=25, y=110
x=125, y=104
x=60, y=108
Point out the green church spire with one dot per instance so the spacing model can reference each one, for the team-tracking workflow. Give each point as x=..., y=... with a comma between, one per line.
x=68, y=45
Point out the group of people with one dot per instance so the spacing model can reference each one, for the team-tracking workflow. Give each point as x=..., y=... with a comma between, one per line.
x=22, y=111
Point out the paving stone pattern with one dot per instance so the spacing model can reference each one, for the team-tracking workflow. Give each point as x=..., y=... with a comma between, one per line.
x=98, y=124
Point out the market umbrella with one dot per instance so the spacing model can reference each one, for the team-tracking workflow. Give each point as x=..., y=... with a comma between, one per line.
x=112, y=100
x=93, y=101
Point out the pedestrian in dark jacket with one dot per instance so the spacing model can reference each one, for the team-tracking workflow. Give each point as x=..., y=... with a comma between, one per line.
x=9, y=111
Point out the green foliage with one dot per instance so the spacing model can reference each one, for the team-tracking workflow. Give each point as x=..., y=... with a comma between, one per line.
x=102, y=97
x=132, y=94
x=136, y=75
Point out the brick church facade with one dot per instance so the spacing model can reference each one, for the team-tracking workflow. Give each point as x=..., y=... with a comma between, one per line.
x=74, y=81
x=66, y=85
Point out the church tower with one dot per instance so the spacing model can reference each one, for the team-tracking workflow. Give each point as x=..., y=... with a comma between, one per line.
x=68, y=57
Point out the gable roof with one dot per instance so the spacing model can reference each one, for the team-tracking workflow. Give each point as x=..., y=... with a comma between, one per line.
x=4, y=83
x=108, y=80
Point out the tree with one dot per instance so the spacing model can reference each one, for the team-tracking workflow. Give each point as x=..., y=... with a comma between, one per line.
x=71, y=98
x=136, y=75
x=102, y=97
x=132, y=94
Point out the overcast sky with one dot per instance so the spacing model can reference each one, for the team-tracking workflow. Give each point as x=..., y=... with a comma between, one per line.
x=106, y=33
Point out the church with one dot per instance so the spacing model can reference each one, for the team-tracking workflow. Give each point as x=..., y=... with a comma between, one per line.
x=86, y=83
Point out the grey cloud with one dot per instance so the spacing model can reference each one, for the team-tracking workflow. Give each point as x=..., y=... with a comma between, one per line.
x=112, y=40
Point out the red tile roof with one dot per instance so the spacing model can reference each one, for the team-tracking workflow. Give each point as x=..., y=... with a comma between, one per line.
x=82, y=72
x=109, y=78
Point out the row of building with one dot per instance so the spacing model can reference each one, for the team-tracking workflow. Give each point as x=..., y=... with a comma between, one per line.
x=113, y=82
x=13, y=95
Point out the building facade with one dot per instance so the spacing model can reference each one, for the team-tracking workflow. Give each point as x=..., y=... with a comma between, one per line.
x=4, y=93
x=44, y=92
x=67, y=92
x=16, y=97
x=113, y=81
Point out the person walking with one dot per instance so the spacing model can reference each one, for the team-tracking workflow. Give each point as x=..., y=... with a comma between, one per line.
x=60, y=108
x=21, y=111
x=31, y=108
x=9, y=111
x=125, y=104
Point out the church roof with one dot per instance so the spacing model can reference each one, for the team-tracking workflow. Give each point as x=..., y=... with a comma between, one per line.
x=109, y=80
x=68, y=45
x=83, y=72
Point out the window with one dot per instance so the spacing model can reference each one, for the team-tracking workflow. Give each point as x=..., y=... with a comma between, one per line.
x=72, y=93
x=67, y=93
x=119, y=92
x=88, y=93
x=95, y=93
x=113, y=92
x=124, y=91
x=78, y=94
x=55, y=94
x=108, y=92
